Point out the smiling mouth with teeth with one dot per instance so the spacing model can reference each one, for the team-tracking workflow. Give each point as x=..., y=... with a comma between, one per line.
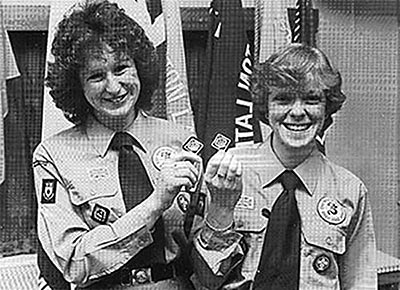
x=295, y=127
x=116, y=99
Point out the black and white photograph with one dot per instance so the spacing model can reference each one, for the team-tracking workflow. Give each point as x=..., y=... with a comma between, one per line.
x=199, y=144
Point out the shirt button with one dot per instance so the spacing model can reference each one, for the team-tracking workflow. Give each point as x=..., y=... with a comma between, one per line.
x=142, y=241
x=240, y=224
x=329, y=241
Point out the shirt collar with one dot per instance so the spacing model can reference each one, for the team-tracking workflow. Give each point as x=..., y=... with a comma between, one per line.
x=308, y=171
x=100, y=136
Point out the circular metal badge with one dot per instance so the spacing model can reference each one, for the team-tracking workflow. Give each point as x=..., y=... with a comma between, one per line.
x=141, y=276
x=331, y=211
x=321, y=263
x=160, y=155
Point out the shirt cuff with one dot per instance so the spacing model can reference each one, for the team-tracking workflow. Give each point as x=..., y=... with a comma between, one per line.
x=216, y=247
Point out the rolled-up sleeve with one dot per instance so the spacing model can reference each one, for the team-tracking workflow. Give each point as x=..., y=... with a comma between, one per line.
x=216, y=254
x=357, y=265
x=82, y=253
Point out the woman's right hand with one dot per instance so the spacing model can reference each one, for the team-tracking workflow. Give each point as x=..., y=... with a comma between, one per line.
x=182, y=169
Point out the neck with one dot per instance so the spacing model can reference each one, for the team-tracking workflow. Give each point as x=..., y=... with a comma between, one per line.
x=291, y=157
x=117, y=123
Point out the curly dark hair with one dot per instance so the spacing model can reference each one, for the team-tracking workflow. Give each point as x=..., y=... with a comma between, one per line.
x=89, y=26
x=301, y=67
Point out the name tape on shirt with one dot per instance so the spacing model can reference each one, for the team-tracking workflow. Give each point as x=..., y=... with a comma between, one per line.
x=246, y=202
x=49, y=187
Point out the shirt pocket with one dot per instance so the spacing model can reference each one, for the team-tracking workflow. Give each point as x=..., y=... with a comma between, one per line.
x=97, y=200
x=252, y=225
x=320, y=247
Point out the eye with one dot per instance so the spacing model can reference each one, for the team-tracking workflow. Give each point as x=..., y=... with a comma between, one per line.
x=283, y=99
x=95, y=77
x=120, y=69
x=313, y=99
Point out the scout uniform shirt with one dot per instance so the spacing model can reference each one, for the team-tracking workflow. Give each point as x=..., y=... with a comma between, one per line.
x=82, y=220
x=337, y=235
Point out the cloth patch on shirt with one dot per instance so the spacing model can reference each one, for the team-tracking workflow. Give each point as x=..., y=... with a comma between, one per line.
x=49, y=191
x=321, y=264
x=246, y=202
x=331, y=211
x=193, y=145
x=183, y=202
x=161, y=155
x=220, y=142
x=201, y=204
x=100, y=214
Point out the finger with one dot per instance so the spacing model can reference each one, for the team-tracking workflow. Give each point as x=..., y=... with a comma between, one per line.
x=187, y=165
x=183, y=181
x=185, y=155
x=223, y=168
x=213, y=164
x=239, y=170
x=186, y=172
x=232, y=169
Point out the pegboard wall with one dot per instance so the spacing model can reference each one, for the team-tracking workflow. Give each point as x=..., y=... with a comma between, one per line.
x=362, y=40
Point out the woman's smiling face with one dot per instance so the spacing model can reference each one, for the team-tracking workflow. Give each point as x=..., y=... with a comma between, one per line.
x=111, y=84
x=296, y=117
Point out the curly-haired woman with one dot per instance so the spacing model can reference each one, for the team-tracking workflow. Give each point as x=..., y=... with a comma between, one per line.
x=101, y=226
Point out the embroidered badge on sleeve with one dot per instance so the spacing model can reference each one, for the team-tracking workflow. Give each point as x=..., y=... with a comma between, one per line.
x=48, y=191
x=100, y=214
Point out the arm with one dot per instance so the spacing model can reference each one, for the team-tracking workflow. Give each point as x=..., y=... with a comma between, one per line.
x=217, y=246
x=357, y=266
x=82, y=253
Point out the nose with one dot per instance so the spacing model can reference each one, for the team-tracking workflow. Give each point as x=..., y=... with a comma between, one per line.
x=113, y=86
x=298, y=109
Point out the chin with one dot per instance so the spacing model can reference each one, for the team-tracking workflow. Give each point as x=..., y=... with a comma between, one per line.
x=298, y=142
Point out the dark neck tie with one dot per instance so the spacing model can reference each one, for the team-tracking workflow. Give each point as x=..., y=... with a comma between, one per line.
x=280, y=259
x=135, y=182
x=136, y=187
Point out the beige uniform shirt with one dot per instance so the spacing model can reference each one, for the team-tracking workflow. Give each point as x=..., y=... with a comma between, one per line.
x=338, y=241
x=82, y=220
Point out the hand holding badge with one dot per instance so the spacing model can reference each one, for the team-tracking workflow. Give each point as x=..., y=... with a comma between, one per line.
x=177, y=170
x=223, y=174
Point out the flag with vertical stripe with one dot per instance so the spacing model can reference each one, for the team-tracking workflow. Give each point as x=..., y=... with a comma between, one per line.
x=226, y=105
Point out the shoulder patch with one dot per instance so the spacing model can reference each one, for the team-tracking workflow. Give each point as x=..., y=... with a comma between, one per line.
x=49, y=187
